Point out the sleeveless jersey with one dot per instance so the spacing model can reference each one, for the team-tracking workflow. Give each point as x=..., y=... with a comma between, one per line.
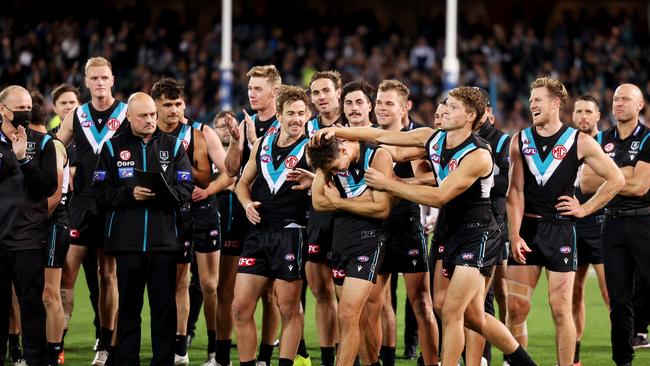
x=281, y=204
x=472, y=207
x=60, y=213
x=91, y=129
x=262, y=128
x=403, y=207
x=550, y=169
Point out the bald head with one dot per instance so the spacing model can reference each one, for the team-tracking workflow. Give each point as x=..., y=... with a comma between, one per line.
x=141, y=112
x=12, y=91
x=627, y=103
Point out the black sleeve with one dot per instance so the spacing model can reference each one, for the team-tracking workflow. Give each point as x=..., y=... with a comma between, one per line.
x=182, y=183
x=40, y=176
x=109, y=191
x=644, y=150
x=503, y=162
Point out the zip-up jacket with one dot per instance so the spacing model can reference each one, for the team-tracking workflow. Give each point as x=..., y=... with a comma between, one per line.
x=29, y=229
x=149, y=225
x=11, y=182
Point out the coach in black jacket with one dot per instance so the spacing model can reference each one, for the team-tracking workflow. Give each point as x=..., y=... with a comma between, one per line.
x=141, y=228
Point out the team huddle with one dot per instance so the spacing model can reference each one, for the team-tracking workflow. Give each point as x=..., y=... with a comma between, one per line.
x=332, y=189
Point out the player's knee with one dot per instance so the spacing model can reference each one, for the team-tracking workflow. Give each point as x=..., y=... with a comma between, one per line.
x=438, y=301
x=561, y=310
x=518, y=308
x=323, y=294
x=348, y=316
x=289, y=309
x=242, y=310
x=208, y=286
x=50, y=297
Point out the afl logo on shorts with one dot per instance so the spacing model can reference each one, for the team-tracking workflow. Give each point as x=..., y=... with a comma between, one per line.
x=609, y=147
x=565, y=250
x=86, y=123
x=289, y=257
x=530, y=151
x=435, y=158
x=125, y=155
x=468, y=256
x=246, y=262
x=214, y=233
x=363, y=258
x=113, y=124
x=559, y=152
x=453, y=164
x=414, y=252
x=266, y=158
x=290, y=162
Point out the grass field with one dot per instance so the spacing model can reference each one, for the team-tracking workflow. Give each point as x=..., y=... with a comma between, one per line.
x=595, y=344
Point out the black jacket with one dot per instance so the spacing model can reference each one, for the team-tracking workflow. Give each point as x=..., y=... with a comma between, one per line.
x=141, y=226
x=29, y=228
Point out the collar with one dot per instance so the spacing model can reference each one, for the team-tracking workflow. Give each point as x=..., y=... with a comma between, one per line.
x=636, y=131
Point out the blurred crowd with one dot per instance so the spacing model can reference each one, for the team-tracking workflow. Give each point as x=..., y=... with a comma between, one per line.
x=589, y=53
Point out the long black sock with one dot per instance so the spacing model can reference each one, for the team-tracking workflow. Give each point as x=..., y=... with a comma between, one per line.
x=519, y=358
x=285, y=362
x=302, y=348
x=375, y=364
x=105, y=337
x=266, y=352
x=387, y=355
x=247, y=363
x=180, y=345
x=53, y=350
x=327, y=355
x=356, y=361
x=576, y=356
x=65, y=331
x=14, y=340
x=212, y=339
x=223, y=352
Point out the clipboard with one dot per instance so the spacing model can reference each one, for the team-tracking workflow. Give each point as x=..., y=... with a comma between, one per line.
x=157, y=184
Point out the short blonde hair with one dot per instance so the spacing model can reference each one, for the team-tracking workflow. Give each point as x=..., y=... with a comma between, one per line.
x=268, y=72
x=290, y=94
x=97, y=61
x=392, y=84
x=555, y=88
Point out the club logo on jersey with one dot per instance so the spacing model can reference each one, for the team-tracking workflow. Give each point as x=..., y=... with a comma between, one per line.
x=290, y=162
x=338, y=273
x=185, y=144
x=609, y=147
x=214, y=233
x=125, y=155
x=113, y=124
x=124, y=173
x=86, y=123
x=266, y=158
x=435, y=147
x=183, y=176
x=435, y=158
x=635, y=145
x=565, y=249
x=413, y=252
x=363, y=258
x=164, y=155
x=246, y=262
x=559, y=152
x=31, y=145
x=99, y=175
x=289, y=257
x=313, y=249
x=526, y=141
x=453, y=164
x=529, y=151
x=272, y=130
x=468, y=256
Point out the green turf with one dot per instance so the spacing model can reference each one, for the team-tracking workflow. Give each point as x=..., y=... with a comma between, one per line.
x=595, y=344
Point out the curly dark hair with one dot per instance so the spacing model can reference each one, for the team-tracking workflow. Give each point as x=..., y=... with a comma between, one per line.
x=323, y=152
x=167, y=88
x=39, y=114
x=367, y=90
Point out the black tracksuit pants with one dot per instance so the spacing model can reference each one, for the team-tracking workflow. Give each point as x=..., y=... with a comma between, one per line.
x=26, y=270
x=626, y=244
x=156, y=270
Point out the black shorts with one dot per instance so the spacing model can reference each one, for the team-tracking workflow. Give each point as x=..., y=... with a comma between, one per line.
x=406, y=247
x=206, y=236
x=552, y=244
x=234, y=227
x=476, y=247
x=274, y=254
x=589, y=241
x=319, y=242
x=87, y=224
x=57, y=246
x=504, y=244
x=185, y=232
x=357, y=256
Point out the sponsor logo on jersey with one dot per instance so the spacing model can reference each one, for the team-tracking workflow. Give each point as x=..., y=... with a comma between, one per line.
x=125, y=155
x=529, y=151
x=313, y=249
x=291, y=161
x=74, y=233
x=266, y=158
x=338, y=273
x=125, y=163
x=246, y=262
x=124, y=173
x=183, y=176
x=289, y=257
x=99, y=175
x=113, y=124
x=565, y=249
x=441, y=248
x=609, y=147
x=435, y=158
x=559, y=152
